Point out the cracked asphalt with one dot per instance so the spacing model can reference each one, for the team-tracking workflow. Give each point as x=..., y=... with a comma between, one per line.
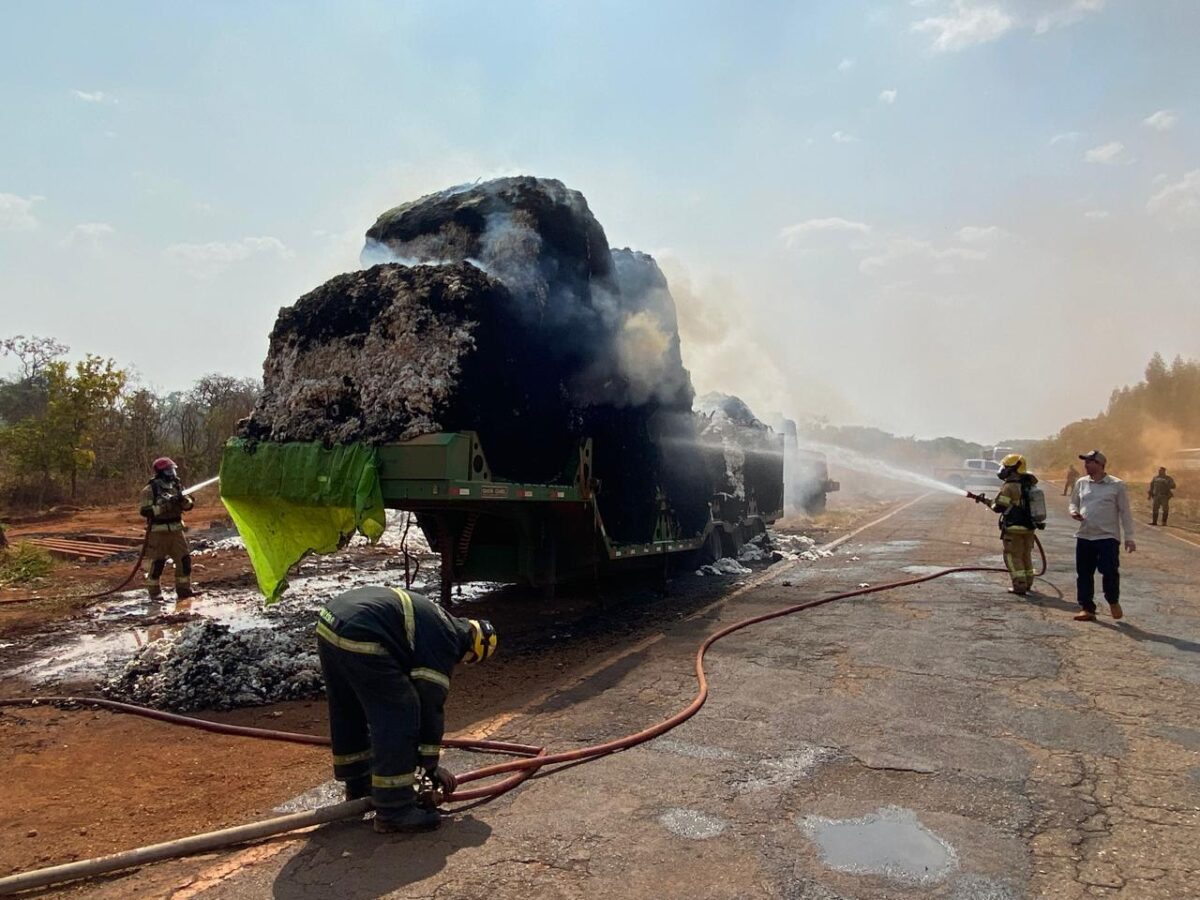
x=1031, y=755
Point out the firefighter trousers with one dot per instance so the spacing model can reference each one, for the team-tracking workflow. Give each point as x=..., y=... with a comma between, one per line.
x=162, y=545
x=374, y=723
x=1018, y=558
x=1162, y=504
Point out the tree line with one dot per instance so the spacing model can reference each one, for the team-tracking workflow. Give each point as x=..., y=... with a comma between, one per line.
x=1140, y=428
x=86, y=431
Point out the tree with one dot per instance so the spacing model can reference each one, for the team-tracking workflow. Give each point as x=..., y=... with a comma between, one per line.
x=25, y=395
x=60, y=440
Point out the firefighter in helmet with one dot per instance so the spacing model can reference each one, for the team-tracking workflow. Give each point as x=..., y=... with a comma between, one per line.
x=1017, y=527
x=163, y=504
x=387, y=656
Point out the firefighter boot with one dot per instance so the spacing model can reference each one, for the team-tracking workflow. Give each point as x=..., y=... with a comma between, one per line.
x=406, y=819
x=357, y=788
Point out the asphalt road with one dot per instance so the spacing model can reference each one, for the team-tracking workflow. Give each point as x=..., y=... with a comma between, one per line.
x=944, y=740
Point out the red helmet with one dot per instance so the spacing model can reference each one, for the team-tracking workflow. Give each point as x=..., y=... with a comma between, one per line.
x=163, y=463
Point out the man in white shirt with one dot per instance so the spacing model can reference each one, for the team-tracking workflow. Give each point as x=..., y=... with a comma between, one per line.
x=1101, y=506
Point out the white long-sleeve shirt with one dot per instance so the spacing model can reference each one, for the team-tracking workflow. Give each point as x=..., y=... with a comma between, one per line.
x=1104, y=506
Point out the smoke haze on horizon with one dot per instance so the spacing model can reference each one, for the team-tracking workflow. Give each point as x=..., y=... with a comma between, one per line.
x=889, y=214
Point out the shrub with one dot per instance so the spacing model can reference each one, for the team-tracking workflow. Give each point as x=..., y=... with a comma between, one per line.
x=24, y=562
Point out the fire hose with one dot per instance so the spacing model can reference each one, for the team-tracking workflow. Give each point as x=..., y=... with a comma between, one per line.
x=518, y=770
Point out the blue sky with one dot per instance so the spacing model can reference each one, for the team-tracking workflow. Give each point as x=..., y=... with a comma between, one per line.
x=884, y=213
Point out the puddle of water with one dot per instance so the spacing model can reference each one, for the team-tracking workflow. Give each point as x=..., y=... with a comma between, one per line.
x=891, y=842
x=692, y=824
x=82, y=657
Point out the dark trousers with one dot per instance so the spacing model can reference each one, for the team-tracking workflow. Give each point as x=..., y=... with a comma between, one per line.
x=374, y=721
x=1105, y=555
x=1163, y=503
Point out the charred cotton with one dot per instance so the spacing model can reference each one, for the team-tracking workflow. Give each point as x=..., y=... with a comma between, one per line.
x=499, y=308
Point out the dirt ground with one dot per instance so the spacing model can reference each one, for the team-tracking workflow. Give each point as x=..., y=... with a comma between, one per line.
x=1045, y=758
x=93, y=782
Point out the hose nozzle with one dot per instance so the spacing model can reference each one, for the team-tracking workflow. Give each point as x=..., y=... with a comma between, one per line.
x=978, y=498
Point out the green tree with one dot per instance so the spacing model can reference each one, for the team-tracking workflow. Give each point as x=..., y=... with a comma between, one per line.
x=60, y=440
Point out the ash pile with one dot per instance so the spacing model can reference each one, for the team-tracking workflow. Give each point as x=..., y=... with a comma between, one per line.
x=743, y=456
x=210, y=666
x=499, y=308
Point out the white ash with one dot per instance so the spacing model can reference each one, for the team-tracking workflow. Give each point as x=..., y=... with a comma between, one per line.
x=229, y=543
x=725, y=566
x=210, y=666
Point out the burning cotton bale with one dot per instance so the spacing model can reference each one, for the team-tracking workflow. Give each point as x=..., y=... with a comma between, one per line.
x=744, y=456
x=500, y=310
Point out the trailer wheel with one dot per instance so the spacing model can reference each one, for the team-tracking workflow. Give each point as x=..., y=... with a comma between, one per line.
x=815, y=505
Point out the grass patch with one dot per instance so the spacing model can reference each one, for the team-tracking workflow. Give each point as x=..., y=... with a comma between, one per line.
x=23, y=563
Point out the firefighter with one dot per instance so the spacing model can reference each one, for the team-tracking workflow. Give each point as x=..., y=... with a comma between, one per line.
x=1017, y=528
x=1162, y=489
x=163, y=504
x=387, y=655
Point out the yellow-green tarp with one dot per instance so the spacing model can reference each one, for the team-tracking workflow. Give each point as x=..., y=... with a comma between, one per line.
x=289, y=500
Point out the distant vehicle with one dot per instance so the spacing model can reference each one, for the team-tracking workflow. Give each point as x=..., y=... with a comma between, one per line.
x=973, y=473
x=998, y=453
x=808, y=478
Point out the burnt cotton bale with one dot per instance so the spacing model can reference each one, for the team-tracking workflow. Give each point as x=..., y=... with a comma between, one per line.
x=499, y=308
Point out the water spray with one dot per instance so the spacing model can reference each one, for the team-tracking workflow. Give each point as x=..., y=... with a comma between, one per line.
x=197, y=487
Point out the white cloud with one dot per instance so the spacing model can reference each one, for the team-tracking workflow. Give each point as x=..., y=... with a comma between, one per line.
x=1066, y=137
x=899, y=249
x=986, y=234
x=1111, y=154
x=887, y=96
x=1163, y=120
x=965, y=23
x=1096, y=214
x=206, y=260
x=846, y=64
x=88, y=234
x=95, y=97
x=16, y=213
x=1179, y=203
x=1065, y=14
x=794, y=234
x=842, y=137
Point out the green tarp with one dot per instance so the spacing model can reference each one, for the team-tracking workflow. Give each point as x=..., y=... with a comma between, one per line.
x=288, y=500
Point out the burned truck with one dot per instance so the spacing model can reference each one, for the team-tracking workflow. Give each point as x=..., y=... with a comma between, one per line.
x=504, y=375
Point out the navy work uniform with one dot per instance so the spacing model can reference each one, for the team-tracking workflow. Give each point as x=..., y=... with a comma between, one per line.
x=387, y=655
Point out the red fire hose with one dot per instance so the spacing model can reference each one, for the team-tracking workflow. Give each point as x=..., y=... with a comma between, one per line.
x=533, y=758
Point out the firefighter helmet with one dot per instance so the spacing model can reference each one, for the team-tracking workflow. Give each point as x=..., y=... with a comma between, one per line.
x=482, y=641
x=1014, y=462
x=163, y=463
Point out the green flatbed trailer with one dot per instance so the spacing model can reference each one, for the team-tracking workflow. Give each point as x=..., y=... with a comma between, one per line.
x=490, y=529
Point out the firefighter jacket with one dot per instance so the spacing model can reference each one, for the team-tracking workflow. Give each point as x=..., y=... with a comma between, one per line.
x=1013, y=503
x=163, y=504
x=422, y=637
x=1162, y=487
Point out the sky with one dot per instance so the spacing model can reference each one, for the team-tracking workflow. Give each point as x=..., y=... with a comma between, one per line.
x=939, y=217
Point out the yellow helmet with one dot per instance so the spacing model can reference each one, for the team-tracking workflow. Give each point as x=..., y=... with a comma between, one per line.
x=483, y=641
x=1014, y=462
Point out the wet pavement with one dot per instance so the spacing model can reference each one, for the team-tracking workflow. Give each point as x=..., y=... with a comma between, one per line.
x=944, y=740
